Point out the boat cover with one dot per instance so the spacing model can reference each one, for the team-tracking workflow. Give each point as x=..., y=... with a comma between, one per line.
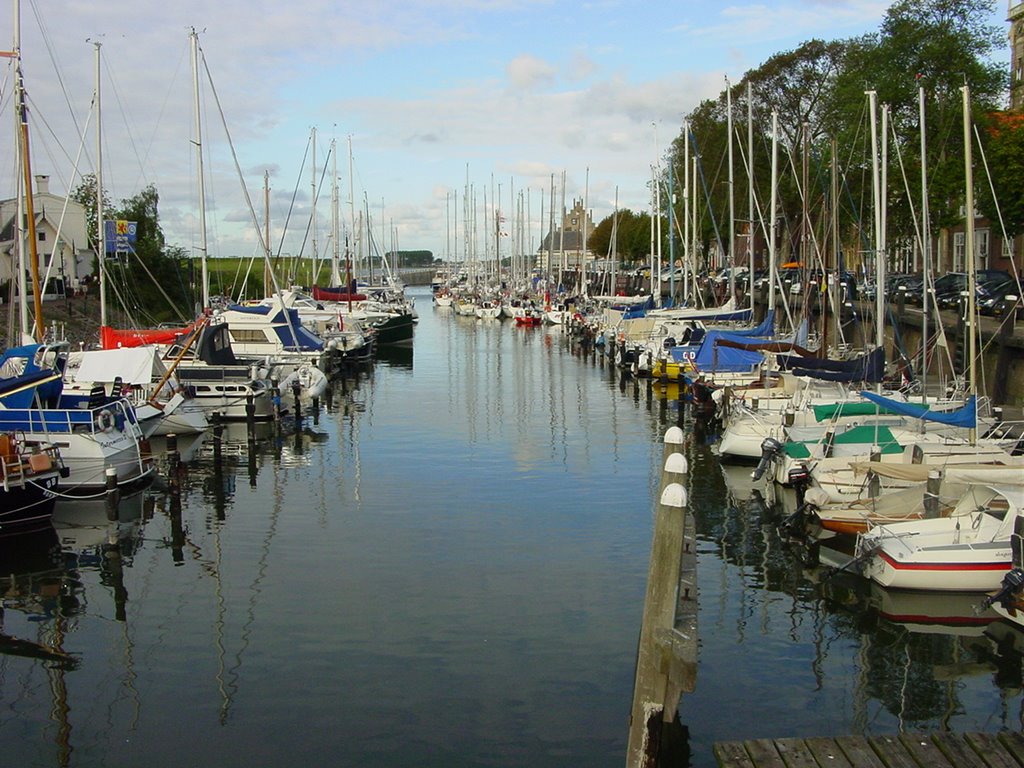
x=137, y=366
x=966, y=417
x=113, y=338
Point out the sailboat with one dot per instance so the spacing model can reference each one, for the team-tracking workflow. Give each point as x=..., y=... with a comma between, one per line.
x=967, y=550
x=97, y=435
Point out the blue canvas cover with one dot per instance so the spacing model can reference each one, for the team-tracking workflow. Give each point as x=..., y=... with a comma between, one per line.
x=966, y=417
x=712, y=357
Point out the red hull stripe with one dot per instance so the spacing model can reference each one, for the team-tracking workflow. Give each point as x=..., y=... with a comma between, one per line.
x=1004, y=565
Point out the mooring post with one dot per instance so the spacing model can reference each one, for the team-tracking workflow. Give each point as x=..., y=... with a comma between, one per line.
x=296, y=389
x=173, y=457
x=112, y=495
x=666, y=654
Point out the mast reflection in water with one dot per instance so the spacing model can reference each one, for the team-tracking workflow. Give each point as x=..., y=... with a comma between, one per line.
x=448, y=567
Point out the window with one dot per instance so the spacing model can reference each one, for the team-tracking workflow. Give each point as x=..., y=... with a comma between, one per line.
x=246, y=335
x=981, y=247
x=42, y=236
x=958, y=251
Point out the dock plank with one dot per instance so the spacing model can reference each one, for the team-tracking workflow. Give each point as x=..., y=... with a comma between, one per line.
x=827, y=752
x=924, y=750
x=892, y=753
x=1014, y=743
x=956, y=749
x=795, y=753
x=909, y=750
x=859, y=752
x=764, y=754
x=992, y=751
x=732, y=754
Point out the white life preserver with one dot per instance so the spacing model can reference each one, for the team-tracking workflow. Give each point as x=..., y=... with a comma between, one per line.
x=105, y=421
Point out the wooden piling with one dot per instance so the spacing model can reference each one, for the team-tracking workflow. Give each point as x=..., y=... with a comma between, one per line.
x=112, y=496
x=666, y=654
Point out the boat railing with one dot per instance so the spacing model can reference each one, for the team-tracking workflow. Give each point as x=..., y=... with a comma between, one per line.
x=114, y=415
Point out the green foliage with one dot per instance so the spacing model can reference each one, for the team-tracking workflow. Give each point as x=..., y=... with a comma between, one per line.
x=632, y=236
x=936, y=44
x=1005, y=158
x=411, y=258
x=149, y=285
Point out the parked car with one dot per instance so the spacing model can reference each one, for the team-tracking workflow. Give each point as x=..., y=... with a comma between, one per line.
x=950, y=288
x=994, y=300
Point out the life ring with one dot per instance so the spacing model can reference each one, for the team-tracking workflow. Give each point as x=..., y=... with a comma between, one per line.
x=105, y=421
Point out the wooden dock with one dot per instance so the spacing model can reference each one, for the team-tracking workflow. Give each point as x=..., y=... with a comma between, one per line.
x=937, y=750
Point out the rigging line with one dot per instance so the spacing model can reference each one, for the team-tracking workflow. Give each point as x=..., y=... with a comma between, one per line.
x=261, y=242
x=291, y=206
x=38, y=120
x=999, y=212
x=124, y=118
x=158, y=121
x=57, y=68
x=704, y=185
x=64, y=208
x=315, y=268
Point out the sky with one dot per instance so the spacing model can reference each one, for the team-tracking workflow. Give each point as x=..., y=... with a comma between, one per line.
x=422, y=100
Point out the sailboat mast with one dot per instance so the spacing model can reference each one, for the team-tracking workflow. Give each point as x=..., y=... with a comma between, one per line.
x=877, y=200
x=30, y=214
x=101, y=238
x=312, y=199
x=583, y=242
x=352, y=208
x=686, y=211
x=731, y=258
x=926, y=247
x=773, y=213
x=750, y=196
x=201, y=190
x=26, y=181
x=972, y=380
x=335, y=219
x=268, y=287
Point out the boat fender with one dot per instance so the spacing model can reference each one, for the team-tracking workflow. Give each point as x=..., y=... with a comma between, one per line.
x=105, y=421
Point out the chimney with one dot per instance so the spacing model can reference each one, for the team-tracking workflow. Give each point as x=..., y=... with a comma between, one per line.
x=42, y=185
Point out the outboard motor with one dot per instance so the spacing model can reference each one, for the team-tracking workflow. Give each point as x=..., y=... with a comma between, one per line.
x=1012, y=582
x=799, y=479
x=770, y=450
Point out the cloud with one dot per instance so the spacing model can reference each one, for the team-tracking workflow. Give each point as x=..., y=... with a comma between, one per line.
x=527, y=72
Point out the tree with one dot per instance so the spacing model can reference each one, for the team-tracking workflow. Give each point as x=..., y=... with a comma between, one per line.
x=148, y=284
x=85, y=194
x=937, y=44
x=1004, y=155
x=632, y=236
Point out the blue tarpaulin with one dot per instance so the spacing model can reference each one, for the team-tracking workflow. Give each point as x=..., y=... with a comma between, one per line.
x=966, y=417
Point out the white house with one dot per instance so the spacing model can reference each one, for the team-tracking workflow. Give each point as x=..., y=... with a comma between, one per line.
x=63, y=245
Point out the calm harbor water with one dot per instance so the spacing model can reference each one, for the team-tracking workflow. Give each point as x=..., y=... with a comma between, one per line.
x=447, y=568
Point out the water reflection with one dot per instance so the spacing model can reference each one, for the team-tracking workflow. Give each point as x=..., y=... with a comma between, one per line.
x=878, y=660
x=395, y=356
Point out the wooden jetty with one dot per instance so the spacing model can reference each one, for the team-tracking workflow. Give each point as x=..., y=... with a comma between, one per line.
x=906, y=750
